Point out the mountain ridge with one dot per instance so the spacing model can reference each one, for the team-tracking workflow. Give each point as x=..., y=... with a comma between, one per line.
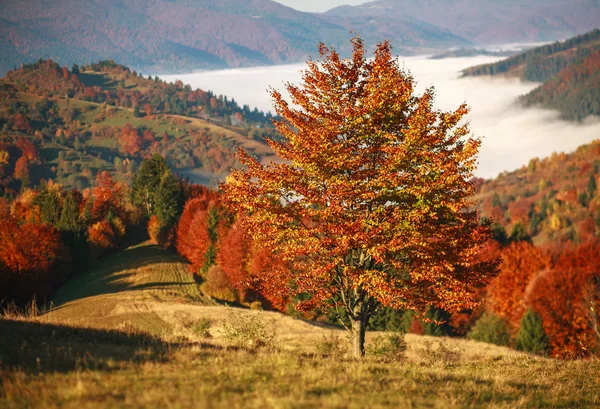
x=181, y=35
x=490, y=21
x=569, y=72
x=172, y=36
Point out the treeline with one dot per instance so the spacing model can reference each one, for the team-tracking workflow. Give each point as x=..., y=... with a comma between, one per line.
x=48, y=233
x=542, y=301
x=542, y=63
x=525, y=307
x=573, y=92
x=547, y=234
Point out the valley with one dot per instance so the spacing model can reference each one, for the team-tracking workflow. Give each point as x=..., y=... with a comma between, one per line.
x=238, y=204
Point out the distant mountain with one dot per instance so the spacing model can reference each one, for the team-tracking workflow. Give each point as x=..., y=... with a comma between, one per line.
x=575, y=91
x=483, y=21
x=179, y=35
x=570, y=71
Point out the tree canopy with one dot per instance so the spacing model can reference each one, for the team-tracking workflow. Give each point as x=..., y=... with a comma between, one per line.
x=370, y=205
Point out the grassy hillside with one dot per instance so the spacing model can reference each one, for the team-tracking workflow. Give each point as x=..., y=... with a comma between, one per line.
x=106, y=117
x=127, y=334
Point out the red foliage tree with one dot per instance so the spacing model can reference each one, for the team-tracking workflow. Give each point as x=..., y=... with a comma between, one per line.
x=28, y=149
x=21, y=123
x=22, y=168
x=519, y=211
x=28, y=248
x=184, y=243
x=521, y=261
x=267, y=274
x=148, y=136
x=197, y=241
x=108, y=197
x=232, y=256
x=587, y=229
x=564, y=296
x=131, y=142
x=384, y=181
x=102, y=235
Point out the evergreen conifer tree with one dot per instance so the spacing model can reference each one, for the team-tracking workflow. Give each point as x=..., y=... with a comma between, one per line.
x=146, y=183
x=519, y=233
x=49, y=202
x=69, y=216
x=592, y=187
x=531, y=336
x=169, y=199
x=491, y=329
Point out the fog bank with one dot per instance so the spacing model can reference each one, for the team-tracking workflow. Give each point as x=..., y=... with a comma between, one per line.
x=512, y=135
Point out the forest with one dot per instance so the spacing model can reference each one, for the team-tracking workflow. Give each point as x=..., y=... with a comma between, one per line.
x=568, y=71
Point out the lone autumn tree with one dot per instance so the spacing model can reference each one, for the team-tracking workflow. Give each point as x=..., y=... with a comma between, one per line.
x=370, y=205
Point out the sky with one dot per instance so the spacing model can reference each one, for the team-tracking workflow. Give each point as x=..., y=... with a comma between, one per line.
x=319, y=5
x=511, y=135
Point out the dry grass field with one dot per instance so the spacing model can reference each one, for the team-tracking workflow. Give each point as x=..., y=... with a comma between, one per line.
x=136, y=332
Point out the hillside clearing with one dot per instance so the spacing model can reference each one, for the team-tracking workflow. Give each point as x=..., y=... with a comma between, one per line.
x=123, y=335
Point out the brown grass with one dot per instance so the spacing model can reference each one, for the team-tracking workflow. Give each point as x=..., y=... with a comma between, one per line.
x=127, y=335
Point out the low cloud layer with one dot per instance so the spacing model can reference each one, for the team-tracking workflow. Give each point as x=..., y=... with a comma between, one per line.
x=512, y=135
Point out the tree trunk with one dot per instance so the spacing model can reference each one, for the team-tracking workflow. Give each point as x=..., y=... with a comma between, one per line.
x=359, y=327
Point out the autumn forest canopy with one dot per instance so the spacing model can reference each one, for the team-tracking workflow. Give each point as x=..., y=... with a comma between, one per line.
x=355, y=205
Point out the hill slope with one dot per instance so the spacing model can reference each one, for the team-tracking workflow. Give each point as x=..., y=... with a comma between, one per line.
x=166, y=35
x=105, y=117
x=485, y=21
x=556, y=199
x=150, y=289
x=575, y=91
x=542, y=63
x=569, y=71
x=123, y=335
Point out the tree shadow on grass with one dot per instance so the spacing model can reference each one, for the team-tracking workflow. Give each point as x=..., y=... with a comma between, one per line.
x=40, y=347
x=115, y=273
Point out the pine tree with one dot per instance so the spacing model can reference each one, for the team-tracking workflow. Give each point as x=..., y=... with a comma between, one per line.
x=49, y=202
x=168, y=199
x=531, y=336
x=519, y=233
x=146, y=183
x=69, y=217
x=86, y=218
x=592, y=187
x=491, y=329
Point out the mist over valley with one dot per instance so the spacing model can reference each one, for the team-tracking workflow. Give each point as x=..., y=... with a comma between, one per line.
x=512, y=134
